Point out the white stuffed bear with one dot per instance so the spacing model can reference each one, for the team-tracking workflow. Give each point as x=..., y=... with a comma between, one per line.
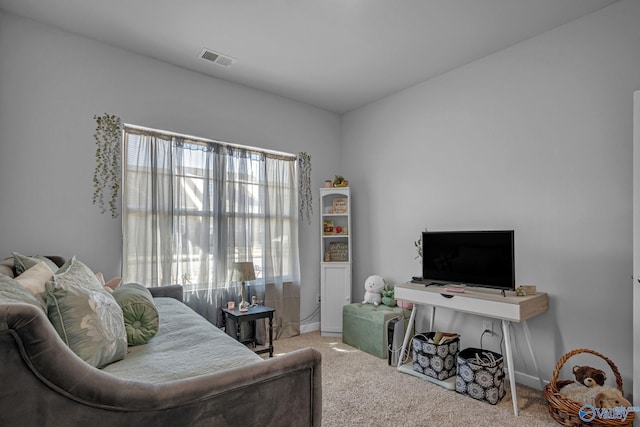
x=597, y=396
x=374, y=285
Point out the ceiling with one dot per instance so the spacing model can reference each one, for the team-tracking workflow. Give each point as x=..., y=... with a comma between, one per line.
x=334, y=54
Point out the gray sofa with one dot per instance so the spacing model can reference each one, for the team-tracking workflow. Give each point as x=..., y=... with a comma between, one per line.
x=190, y=374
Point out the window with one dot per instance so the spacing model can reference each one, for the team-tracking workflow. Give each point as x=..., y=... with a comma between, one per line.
x=193, y=207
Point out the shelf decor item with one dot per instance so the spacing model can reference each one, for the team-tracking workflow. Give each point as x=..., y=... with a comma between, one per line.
x=568, y=412
x=328, y=228
x=340, y=206
x=339, y=251
x=106, y=176
x=339, y=181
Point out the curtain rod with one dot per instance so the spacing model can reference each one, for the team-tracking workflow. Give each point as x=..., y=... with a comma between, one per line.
x=141, y=130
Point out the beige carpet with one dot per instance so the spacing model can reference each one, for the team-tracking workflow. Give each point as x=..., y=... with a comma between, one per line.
x=359, y=389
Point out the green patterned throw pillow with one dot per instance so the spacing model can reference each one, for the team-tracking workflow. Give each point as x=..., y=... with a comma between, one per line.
x=76, y=272
x=141, y=319
x=87, y=318
x=22, y=263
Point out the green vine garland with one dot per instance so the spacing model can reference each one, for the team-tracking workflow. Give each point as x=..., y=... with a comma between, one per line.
x=418, y=245
x=305, y=198
x=106, y=177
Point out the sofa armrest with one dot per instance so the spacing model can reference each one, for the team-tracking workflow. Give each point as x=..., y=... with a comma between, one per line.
x=171, y=291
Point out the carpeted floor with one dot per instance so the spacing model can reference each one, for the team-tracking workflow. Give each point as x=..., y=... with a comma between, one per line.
x=359, y=389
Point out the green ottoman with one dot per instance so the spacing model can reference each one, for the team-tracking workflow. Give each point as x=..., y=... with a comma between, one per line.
x=364, y=326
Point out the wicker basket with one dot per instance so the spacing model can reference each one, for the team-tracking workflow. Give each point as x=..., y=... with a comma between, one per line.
x=566, y=411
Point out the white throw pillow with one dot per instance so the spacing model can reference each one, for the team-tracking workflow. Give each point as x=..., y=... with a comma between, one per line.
x=34, y=280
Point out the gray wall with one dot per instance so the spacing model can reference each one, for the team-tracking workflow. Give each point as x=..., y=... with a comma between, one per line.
x=51, y=85
x=536, y=138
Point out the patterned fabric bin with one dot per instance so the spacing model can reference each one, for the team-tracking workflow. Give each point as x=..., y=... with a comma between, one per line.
x=481, y=375
x=436, y=361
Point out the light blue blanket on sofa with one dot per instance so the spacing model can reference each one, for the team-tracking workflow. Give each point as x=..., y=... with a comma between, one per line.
x=186, y=346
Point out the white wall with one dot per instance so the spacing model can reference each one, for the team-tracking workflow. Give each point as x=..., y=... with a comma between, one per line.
x=537, y=138
x=51, y=85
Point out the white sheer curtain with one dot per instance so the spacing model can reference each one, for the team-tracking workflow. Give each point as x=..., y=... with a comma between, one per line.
x=192, y=207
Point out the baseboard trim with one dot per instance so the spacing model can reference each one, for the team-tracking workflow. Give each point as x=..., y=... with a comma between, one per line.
x=521, y=378
x=528, y=380
x=311, y=327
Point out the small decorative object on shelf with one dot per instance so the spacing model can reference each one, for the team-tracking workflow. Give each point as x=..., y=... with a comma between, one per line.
x=525, y=290
x=327, y=256
x=340, y=206
x=328, y=227
x=339, y=181
x=339, y=251
x=328, y=184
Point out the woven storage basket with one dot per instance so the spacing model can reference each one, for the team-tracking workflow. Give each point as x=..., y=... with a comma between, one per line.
x=566, y=411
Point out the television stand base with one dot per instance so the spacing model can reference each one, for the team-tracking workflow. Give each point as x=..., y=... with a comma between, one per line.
x=449, y=383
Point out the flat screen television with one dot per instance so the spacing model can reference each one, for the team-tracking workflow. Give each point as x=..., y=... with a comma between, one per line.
x=473, y=258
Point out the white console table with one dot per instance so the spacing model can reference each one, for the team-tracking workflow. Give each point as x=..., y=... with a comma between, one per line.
x=481, y=302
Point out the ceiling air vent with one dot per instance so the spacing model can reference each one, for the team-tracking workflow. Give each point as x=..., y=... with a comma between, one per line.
x=217, y=58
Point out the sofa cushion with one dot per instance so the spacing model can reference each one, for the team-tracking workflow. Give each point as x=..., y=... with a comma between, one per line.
x=87, y=318
x=12, y=292
x=140, y=314
x=34, y=280
x=22, y=262
x=6, y=267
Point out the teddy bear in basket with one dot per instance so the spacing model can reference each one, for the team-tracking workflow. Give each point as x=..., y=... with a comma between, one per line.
x=589, y=389
x=374, y=285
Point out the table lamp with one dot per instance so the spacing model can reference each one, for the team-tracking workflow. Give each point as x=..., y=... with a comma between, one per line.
x=244, y=271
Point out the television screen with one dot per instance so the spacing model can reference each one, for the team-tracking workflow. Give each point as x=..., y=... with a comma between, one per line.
x=473, y=258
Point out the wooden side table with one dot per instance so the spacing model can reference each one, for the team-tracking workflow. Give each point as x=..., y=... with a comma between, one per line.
x=254, y=313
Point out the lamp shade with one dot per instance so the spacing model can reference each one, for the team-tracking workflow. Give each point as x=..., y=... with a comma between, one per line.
x=243, y=271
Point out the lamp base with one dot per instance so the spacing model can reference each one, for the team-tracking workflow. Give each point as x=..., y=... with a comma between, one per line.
x=244, y=305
